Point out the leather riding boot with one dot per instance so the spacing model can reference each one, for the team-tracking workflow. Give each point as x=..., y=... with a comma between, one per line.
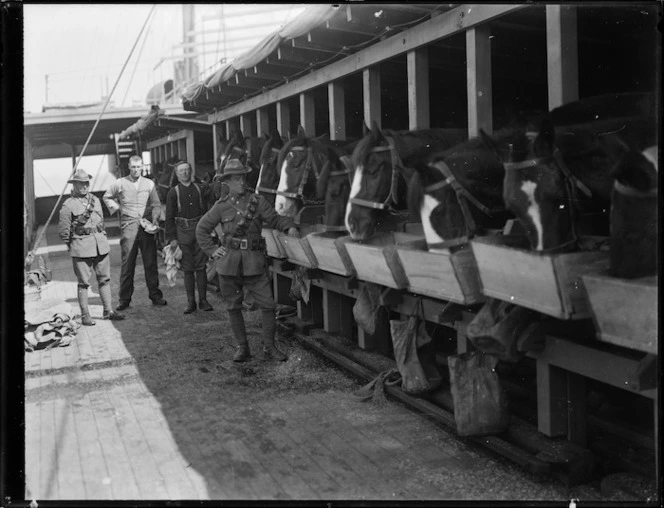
x=270, y=351
x=83, y=303
x=106, y=298
x=201, y=282
x=242, y=353
x=189, y=287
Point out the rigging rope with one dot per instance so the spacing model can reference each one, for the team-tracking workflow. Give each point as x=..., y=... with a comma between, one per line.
x=31, y=255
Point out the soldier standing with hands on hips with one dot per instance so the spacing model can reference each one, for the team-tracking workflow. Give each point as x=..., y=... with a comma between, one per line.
x=137, y=199
x=185, y=205
x=240, y=259
x=81, y=227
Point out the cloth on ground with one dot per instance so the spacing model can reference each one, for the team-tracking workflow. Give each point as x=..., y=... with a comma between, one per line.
x=59, y=332
x=375, y=389
x=43, y=311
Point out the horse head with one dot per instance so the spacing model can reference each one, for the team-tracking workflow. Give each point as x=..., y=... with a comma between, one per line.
x=375, y=180
x=333, y=186
x=458, y=191
x=378, y=160
x=301, y=161
x=268, y=174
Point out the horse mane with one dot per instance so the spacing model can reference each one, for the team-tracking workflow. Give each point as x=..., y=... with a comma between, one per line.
x=635, y=171
x=416, y=190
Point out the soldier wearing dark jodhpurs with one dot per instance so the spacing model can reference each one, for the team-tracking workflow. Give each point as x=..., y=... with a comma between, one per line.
x=240, y=259
x=185, y=205
x=81, y=227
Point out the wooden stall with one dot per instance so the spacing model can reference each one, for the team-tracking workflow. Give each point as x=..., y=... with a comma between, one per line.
x=415, y=66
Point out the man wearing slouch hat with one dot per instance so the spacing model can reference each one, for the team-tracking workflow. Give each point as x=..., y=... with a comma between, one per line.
x=81, y=227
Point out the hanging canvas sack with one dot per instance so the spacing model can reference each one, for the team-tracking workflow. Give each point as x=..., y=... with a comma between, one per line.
x=498, y=326
x=415, y=356
x=366, y=308
x=480, y=405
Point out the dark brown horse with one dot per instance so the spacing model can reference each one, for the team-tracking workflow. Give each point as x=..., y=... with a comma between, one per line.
x=379, y=161
x=268, y=174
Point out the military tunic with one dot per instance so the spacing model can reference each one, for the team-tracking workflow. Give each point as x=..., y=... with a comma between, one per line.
x=88, y=243
x=239, y=267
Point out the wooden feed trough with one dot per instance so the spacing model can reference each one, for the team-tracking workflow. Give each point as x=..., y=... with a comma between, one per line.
x=274, y=248
x=624, y=310
x=547, y=283
x=377, y=261
x=451, y=276
x=298, y=250
x=329, y=248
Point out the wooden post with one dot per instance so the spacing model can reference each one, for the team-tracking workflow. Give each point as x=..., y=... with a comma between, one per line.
x=478, y=58
x=229, y=126
x=308, y=113
x=262, y=122
x=247, y=125
x=280, y=287
x=337, y=111
x=337, y=314
x=577, y=417
x=371, y=94
x=312, y=311
x=283, y=118
x=182, y=152
x=191, y=154
x=418, y=89
x=562, y=54
x=551, y=399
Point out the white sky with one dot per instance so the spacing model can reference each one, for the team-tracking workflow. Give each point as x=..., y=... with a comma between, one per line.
x=82, y=48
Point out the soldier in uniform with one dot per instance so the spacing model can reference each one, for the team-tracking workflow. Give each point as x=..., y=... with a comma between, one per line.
x=185, y=205
x=81, y=227
x=240, y=259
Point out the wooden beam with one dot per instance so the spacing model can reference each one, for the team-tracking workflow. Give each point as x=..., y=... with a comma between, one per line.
x=313, y=47
x=418, y=89
x=478, y=58
x=331, y=37
x=371, y=95
x=298, y=55
x=562, y=54
x=215, y=145
x=445, y=25
x=251, y=83
x=168, y=138
x=256, y=73
x=337, y=110
x=308, y=113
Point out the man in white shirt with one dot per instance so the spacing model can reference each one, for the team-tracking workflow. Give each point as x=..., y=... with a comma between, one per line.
x=136, y=198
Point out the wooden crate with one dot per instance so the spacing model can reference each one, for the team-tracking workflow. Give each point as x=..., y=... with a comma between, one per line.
x=624, y=310
x=274, y=248
x=377, y=261
x=298, y=250
x=547, y=283
x=330, y=251
x=441, y=274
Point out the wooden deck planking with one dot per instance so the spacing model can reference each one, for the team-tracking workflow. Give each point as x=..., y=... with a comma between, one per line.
x=306, y=459
x=32, y=448
x=48, y=484
x=160, y=442
x=274, y=459
x=122, y=478
x=340, y=459
x=373, y=461
x=70, y=473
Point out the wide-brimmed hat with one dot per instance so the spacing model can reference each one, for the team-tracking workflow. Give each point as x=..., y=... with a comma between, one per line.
x=234, y=167
x=80, y=176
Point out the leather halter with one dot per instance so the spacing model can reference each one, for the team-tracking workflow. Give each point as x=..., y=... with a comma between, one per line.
x=571, y=184
x=396, y=164
x=260, y=188
x=310, y=164
x=226, y=157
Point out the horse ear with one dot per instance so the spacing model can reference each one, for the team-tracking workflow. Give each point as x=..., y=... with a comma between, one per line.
x=365, y=129
x=300, y=132
x=265, y=136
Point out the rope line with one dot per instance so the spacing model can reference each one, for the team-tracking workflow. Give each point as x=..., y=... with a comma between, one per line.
x=31, y=255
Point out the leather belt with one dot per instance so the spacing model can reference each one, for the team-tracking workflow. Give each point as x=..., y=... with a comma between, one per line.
x=245, y=243
x=84, y=231
x=187, y=222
